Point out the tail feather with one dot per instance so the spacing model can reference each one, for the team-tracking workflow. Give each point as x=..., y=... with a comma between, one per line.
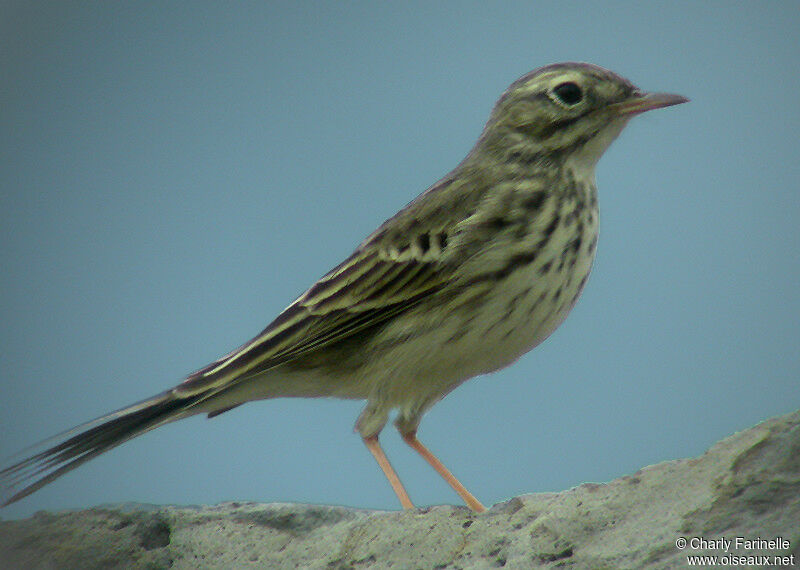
x=87, y=441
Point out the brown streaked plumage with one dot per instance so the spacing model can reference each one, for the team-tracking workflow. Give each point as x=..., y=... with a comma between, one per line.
x=473, y=273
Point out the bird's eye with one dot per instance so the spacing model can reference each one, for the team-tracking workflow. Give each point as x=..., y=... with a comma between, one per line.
x=568, y=93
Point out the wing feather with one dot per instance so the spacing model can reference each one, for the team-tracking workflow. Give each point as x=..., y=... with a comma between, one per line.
x=406, y=260
x=367, y=289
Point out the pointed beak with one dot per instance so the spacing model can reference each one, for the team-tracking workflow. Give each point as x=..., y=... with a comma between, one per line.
x=647, y=102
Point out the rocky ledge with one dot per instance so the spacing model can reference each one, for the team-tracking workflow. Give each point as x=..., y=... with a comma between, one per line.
x=746, y=486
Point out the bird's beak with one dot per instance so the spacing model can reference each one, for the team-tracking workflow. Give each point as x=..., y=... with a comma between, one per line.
x=647, y=102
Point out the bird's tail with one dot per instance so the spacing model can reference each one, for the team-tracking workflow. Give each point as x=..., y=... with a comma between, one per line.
x=89, y=440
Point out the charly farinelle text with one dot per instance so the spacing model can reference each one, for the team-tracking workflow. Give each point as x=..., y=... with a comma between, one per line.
x=737, y=551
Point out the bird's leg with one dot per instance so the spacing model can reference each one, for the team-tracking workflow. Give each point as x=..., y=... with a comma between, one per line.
x=375, y=449
x=411, y=439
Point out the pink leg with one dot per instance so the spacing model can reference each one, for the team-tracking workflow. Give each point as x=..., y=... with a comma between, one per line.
x=468, y=498
x=375, y=448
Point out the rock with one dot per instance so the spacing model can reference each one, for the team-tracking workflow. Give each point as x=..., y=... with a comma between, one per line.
x=746, y=486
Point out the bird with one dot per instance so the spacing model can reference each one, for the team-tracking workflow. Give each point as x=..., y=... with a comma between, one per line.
x=473, y=273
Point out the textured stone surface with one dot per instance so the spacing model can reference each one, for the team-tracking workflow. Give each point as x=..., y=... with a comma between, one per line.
x=747, y=485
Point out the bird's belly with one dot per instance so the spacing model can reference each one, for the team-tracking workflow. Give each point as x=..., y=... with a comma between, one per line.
x=515, y=315
x=529, y=310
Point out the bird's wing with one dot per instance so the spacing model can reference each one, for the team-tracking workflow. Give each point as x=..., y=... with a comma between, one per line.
x=388, y=274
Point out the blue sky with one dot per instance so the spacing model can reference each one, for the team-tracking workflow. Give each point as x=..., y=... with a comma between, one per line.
x=174, y=175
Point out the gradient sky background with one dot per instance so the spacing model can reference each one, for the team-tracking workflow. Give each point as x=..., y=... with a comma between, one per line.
x=173, y=176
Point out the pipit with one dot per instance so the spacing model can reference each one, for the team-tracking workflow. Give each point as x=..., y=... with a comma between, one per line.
x=468, y=277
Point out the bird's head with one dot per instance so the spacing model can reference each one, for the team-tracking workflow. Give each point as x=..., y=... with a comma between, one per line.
x=568, y=110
